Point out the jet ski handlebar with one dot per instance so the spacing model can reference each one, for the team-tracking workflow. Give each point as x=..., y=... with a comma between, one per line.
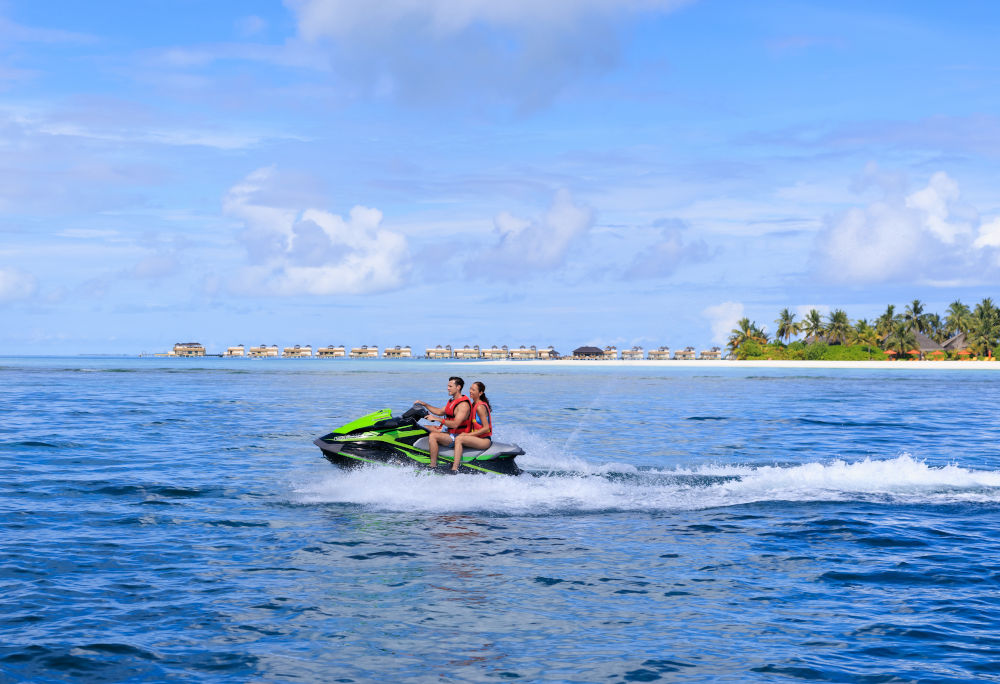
x=415, y=412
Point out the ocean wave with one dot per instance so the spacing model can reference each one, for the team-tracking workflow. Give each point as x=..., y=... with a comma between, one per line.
x=621, y=487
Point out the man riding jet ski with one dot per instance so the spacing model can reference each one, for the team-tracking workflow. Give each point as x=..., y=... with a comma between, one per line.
x=380, y=438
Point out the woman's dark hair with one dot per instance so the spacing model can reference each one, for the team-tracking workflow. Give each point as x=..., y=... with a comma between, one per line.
x=482, y=393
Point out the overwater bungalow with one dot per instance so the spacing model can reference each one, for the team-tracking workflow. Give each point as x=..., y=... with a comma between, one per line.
x=687, y=354
x=610, y=353
x=713, y=354
x=523, y=353
x=187, y=349
x=633, y=354
x=397, y=352
x=364, y=352
x=589, y=353
x=659, y=354
x=439, y=352
x=238, y=350
x=548, y=353
x=298, y=351
x=466, y=352
x=263, y=350
x=332, y=352
x=495, y=353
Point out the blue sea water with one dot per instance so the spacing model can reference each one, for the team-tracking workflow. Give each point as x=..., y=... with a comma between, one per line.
x=171, y=520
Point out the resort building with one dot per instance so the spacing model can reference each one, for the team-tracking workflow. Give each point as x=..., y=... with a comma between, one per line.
x=439, y=352
x=188, y=349
x=299, y=352
x=364, y=352
x=467, y=352
x=659, y=354
x=588, y=353
x=397, y=352
x=523, y=353
x=633, y=354
x=610, y=353
x=264, y=351
x=495, y=353
x=686, y=355
x=238, y=350
x=926, y=347
x=957, y=346
x=332, y=352
x=713, y=354
x=549, y=353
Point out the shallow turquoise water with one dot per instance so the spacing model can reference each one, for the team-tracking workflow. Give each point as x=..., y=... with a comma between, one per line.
x=171, y=519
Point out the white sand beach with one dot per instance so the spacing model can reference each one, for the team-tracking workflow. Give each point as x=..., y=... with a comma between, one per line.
x=871, y=365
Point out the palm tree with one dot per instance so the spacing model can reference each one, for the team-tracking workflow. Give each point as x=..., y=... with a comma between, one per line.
x=838, y=326
x=934, y=327
x=745, y=331
x=884, y=323
x=958, y=320
x=740, y=334
x=864, y=333
x=787, y=327
x=812, y=325
x=901, y=338
x=914, y=316
x=985, y=329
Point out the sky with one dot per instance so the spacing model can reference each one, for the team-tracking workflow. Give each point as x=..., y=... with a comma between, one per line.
x=423, y=172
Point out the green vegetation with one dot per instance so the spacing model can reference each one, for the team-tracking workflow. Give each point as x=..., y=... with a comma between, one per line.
x=891, y=335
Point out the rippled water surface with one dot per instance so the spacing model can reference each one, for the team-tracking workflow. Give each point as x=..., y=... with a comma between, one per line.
x=170, y=519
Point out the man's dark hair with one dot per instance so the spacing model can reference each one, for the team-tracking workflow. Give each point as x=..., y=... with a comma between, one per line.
x=458, y=381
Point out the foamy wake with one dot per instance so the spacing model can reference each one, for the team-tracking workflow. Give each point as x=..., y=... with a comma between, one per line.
x=610, y=487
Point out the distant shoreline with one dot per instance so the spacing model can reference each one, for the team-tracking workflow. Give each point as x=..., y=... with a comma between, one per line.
x=875, y=365
x=586, y=363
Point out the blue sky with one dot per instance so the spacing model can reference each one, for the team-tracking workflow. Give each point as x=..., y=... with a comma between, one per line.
x=432, y=171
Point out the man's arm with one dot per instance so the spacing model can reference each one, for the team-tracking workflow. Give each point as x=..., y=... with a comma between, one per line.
x=433, y=409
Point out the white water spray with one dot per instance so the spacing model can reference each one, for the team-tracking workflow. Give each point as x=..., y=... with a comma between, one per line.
x=622, y=487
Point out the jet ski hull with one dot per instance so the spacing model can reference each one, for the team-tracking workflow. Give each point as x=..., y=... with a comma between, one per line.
x=357, y=454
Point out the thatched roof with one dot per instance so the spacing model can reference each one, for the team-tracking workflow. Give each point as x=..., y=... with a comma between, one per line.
x=925, y=343
x=956, y=342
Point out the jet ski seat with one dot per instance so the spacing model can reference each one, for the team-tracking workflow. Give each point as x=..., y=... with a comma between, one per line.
x=467, y=454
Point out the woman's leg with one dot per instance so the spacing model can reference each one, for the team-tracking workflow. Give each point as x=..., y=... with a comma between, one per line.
x=463, y=441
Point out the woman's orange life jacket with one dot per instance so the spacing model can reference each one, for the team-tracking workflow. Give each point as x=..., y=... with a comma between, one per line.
x=476, y=424
x=449, y=414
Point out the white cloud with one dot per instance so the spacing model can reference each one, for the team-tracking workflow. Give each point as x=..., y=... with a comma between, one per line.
x=342, y=18
x=525, y=246
x=11, y=32
x=924, y=236
x=87, y=233
x=989, y=234
x=515, y=52
x=15, y=284
x=662, y=258
x=722, y=319
x=802, y=310
x=251, y=26
x=297, y=252
x=936, y=202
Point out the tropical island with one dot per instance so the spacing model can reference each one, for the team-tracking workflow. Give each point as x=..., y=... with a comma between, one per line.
x=914, y=334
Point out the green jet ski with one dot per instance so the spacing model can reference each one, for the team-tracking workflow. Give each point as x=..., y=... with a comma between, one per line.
x=380, y=438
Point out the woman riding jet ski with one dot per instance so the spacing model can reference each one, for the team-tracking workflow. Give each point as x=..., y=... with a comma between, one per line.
x=380, y=438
